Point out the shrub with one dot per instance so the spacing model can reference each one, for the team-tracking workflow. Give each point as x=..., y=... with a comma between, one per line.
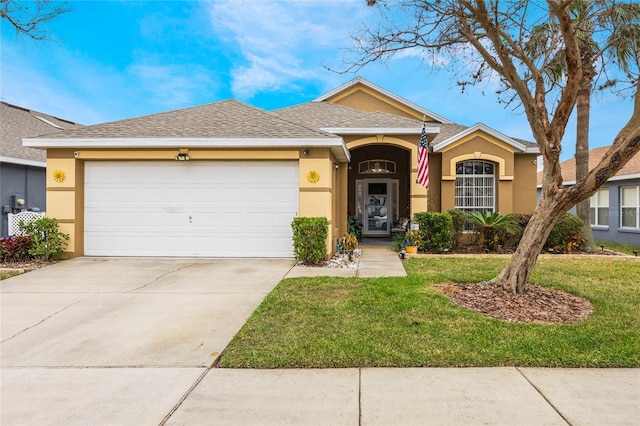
x=48, y=241
x=511, y=239
x=309, y=236
x=436, y=230
x=354, y=226
x=490, y=225
x=566, y=233
x=15, y=248
x=398, y=241
x=457, y=219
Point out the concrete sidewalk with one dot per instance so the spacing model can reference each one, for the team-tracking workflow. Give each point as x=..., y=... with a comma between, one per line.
x=375, y=261
x=414, y=396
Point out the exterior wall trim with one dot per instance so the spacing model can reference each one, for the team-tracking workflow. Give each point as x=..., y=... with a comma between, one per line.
x=23, y=161
x=488, y=130
x=381, y=130
x=335, y=143
x=479, y=156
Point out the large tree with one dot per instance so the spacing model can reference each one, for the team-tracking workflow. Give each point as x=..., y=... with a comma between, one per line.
x=490, y=39
x=596, y=59
x=29, y=17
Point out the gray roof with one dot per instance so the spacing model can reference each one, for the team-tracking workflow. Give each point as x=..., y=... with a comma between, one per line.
x=225, y=120
x=318, y=115
x=233, y=120
x=447, y=131
x=17, y=123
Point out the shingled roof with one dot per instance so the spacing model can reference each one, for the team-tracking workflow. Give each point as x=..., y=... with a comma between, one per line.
x=233, y=123
x=229, y=119
x=317, y=115
x=17, y=122
x=632, y=168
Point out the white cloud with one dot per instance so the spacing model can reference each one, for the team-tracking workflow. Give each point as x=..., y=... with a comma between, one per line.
x=282, y=43
x=171, y=86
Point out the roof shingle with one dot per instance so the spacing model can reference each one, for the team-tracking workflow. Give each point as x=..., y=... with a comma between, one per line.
x=17, y=123
x=225, y=119
x=595, y=155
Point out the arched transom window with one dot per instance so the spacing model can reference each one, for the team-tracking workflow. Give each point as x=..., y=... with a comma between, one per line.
x=376, y=167
x=475, y=186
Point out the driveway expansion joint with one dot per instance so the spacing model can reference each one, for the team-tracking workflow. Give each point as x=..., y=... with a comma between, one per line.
x=544, y=397
x=162, y=276
x=48, y=317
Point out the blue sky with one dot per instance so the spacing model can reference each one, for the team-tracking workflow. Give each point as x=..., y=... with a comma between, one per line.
x=110, y=60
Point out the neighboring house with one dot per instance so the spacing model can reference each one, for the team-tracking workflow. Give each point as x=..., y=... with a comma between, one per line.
x=226, y=179
x=22, y=169
x=615, y=208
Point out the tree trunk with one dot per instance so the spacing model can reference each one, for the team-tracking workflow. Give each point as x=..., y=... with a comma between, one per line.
x=516, y=274
x=583, y=110
x=582, y=163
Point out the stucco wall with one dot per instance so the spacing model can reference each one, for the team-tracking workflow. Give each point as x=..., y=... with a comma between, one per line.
x=515, y=172
x=322, y=198
x=363, y=98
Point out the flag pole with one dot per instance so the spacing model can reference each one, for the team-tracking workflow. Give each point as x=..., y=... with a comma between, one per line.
x=423, y=159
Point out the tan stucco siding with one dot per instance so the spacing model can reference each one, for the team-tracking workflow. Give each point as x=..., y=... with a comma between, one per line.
x=509, y=186
x=323, y=198
x=62, y=195
x=435, y=183
x=365, y=99
x=481, y=148
x=524, y=183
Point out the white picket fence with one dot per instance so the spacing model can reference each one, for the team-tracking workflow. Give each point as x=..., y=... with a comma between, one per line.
x=26, y=217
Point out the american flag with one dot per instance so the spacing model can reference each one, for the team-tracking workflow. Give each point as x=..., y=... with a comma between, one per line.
x=423, y=158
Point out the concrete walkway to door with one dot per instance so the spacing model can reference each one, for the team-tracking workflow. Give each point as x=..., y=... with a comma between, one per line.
x=375, y=261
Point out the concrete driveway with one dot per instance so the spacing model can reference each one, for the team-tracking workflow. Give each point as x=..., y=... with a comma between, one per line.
x=120, y=340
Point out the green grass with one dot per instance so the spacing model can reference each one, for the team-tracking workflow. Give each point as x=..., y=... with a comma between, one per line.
x=621, y=248
x=402, y=322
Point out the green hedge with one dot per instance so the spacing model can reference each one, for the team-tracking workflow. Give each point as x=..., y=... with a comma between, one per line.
x=458, y=219
x=309, y=236
x=566, y=233
x=436, y=230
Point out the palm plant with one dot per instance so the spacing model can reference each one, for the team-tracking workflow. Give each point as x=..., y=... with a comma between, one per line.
x=489, y=226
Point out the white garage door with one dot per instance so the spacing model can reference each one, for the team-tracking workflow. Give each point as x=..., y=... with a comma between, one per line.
x=207, y=209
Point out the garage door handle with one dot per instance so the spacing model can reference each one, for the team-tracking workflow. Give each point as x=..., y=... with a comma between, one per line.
x=189, y=219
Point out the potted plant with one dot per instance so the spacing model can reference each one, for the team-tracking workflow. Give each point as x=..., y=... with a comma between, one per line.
x=346, y=245
x=411, y=241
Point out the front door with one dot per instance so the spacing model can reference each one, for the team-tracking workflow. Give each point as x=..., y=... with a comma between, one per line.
x=379, y=206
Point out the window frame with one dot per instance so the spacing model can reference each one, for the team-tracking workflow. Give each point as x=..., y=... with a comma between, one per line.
x=595, y=203
x=635, y=207
x=475, y=193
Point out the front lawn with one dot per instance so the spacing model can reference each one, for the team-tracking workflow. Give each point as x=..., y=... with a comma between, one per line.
x=621, y=248
x=403, y=322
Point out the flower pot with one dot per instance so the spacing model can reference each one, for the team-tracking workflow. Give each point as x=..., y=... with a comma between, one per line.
x=411, y=249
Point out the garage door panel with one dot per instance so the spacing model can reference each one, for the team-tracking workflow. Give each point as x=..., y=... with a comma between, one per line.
x=212, y=209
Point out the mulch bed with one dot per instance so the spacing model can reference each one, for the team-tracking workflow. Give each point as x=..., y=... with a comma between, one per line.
x=536, y=305
x=25, y=266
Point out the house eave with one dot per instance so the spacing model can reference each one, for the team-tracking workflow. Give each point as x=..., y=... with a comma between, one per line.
x=380, y=130
x=23, y=161
x=492, y=132
x=336, y=144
